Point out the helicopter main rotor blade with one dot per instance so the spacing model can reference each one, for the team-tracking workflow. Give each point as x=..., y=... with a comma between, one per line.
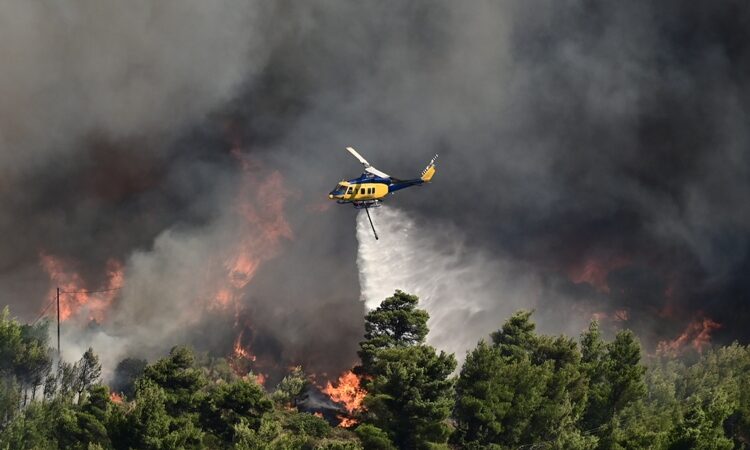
x=368, y=167
x=377, y=172
x=358, y=156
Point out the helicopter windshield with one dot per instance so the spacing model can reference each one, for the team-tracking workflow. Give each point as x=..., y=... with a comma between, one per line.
x=339, y=190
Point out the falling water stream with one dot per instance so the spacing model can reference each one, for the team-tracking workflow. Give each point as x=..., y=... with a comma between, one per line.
x=467, y=293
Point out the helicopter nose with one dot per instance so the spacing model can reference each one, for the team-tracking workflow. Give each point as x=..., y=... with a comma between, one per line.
x=330, y=195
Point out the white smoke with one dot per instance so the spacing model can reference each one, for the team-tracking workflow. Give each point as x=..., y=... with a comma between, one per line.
x=467, y=292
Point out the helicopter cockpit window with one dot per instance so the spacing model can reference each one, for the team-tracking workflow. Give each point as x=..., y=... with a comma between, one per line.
x=339, y=190
x=349, y=191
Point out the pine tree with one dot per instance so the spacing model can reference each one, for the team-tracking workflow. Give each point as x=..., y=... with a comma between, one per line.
x=482, y=398
x=180, y=380
x=290, y=387
x=593, y=359
x=396, y=322
x=516, y=337
x=410, y=393
x=624, y=371
x=525, y=389
x=88, y=372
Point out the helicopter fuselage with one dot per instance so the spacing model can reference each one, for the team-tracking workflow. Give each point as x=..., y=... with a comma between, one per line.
x=368, y=189
x=364, y=188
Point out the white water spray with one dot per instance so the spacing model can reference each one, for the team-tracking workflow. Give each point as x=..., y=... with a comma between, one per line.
x=467, y=293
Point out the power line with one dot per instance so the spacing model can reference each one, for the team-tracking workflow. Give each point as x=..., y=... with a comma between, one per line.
x=91, y=292
x=44, y=311
x=52, y=301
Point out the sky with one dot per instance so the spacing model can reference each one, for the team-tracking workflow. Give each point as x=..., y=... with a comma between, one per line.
x=593, y=163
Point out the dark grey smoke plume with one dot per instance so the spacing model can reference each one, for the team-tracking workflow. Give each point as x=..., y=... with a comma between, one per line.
x=594, y=160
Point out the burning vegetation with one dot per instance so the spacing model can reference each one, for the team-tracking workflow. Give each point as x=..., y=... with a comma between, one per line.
x=594, y=271
x=409, y=390
x=347, y=392
x=77, y=298
x=254, y=228
x=697, y=336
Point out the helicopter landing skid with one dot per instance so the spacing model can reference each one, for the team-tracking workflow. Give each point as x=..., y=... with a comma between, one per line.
x=367, y=204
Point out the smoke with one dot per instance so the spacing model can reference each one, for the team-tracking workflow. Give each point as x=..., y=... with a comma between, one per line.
x=599, y=147
x=593, y=162
x=96, y=97
x=120, y=70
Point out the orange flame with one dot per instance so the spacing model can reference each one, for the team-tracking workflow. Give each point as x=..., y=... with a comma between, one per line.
x=348, y=393
x=595, y=272
x=241, y=352
x=259, y=207
x=259, y=227
x=243, y=361
x=115, y=397
x=75, y=297
x=697, y=335
x=346, y=422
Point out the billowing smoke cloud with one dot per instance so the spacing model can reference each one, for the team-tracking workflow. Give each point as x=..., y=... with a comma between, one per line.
x=601, y=147
x=95, y=94
x=593, y=162
x=119, y=70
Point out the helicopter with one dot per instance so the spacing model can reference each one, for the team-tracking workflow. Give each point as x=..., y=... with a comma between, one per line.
x=370, y=189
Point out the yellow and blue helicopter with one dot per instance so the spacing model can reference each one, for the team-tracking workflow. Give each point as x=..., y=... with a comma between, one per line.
x=370, y=189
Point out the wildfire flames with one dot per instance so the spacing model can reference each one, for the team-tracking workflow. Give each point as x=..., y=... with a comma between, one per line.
x=242, y=359
x=595, y=272
x=115, y=397
x=259, y=210
x=241, y=352
x=76, y=297
x=259, y=214
x=347, y=422
x=254, y=228
x=347, y=393
x=697, y=335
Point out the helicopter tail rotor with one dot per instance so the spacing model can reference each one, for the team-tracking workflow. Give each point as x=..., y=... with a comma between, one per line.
x=429, y=171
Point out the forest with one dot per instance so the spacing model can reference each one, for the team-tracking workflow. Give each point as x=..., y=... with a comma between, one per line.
x=517, y=389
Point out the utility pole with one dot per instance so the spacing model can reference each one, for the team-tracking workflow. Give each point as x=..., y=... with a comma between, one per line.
x=59, y=355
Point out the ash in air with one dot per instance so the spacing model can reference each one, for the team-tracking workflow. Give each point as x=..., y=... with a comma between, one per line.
x=594, y=163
